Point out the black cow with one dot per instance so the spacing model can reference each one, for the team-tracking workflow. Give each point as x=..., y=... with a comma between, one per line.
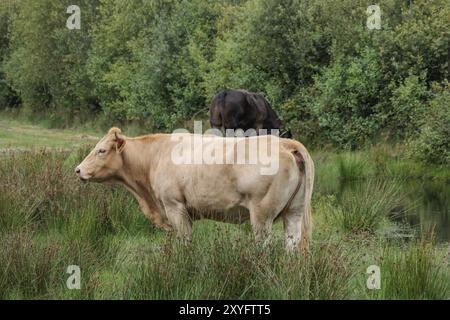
x=240, y=109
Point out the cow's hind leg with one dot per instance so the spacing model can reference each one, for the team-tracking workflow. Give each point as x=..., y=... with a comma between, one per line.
x=296, y=227
x=261, y=221
x=292, y=222
x=179, y=219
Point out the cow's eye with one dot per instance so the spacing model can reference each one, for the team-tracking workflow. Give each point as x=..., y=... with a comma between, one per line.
x=101, y=151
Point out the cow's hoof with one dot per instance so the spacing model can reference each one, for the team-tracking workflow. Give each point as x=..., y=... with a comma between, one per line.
x=166, y=227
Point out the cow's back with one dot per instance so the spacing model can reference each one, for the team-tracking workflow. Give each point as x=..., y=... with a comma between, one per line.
x=209, y=188
x=230, y=109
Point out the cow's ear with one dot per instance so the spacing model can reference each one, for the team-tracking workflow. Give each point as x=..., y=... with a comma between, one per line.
x=119, y=142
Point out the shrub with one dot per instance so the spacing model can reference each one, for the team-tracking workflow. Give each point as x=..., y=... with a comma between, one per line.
x=148, y=60
x=433, y=143
x=347, y=104
x=8, y=98
x=46, y=61
x=409, y=108
x=297, y=115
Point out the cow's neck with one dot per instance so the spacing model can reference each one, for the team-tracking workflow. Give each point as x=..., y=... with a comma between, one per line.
x=137, y=163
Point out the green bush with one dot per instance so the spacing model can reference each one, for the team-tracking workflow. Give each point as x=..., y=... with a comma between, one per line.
x=46, y=61
x=157, y=64
x=433, y=143
x=298, y=116
x=409, y=108
x=148, y=59
x=417, y=42
x=347, y=104
x=8, y=98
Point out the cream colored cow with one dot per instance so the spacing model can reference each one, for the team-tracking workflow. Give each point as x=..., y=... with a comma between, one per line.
x=172, y=190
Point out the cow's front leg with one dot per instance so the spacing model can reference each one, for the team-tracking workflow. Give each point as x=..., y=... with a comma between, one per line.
x=153, y=215
x=179, y=218
x=150, y=210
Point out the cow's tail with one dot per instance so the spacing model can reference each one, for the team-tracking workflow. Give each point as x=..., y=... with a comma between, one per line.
x=306, y=183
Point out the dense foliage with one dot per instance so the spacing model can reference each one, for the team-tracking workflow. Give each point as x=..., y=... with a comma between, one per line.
x=158, y=63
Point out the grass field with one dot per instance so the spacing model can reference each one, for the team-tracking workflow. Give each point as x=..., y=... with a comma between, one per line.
x=49, y=220
x=17, y=134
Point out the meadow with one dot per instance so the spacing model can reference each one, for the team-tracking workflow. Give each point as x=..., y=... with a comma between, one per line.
x=371, y=104
x=49, y=220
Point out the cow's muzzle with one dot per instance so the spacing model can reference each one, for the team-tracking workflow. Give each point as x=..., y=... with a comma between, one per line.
x=81, y=176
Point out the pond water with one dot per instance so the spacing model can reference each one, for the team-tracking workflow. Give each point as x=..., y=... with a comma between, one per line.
x=430, y=206
x=426, y=204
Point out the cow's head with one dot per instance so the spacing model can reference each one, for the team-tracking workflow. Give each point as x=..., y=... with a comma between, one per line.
x=105, y=160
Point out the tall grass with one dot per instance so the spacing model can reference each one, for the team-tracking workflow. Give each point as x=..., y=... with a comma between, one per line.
x=231, y=266
x=351, y=166
x=418, y=271
x=49, y=220
x=365, y=207
x=25, y=268
x=379, y=162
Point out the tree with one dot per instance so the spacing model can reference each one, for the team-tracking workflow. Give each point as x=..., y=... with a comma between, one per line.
x=46, y=65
